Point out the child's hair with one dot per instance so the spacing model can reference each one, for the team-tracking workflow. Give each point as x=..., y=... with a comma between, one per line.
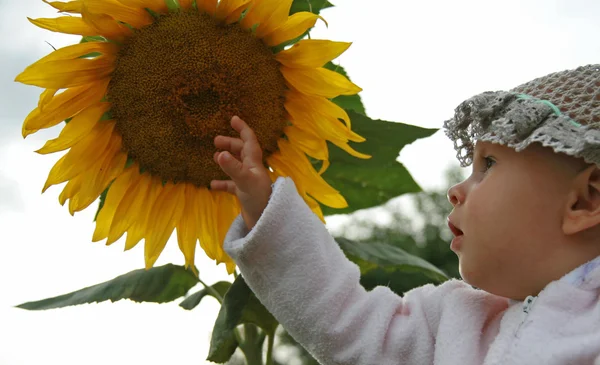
x=560, y=111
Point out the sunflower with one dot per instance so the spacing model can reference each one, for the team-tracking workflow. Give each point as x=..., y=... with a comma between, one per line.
x=150, y=86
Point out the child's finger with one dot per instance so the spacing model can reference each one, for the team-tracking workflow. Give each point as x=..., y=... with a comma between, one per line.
x=231, y=166
x=223, y=185
x=251, y=147
x=246, y=133
x=233, y=145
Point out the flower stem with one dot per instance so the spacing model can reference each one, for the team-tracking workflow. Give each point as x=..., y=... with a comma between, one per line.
x=218, y=297
x=271, y=341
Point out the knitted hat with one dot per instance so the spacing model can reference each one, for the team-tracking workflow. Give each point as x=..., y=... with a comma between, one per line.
x=560, y=111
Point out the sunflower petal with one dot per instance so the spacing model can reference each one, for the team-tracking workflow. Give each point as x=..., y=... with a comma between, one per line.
x=129, y=208
x=319, y=81
x=45, y=97
x=314, y=206
x=66, y=7
x=301, y=169
x=228, y=208
x=82, y=155
x=227, y=9
x=271, y=14
x=138, y=229
x=116, y=192
x=97, y=178
x=311, y=53
x=186, y=4
x=106, y=26
x=75, y=51
x=136, y=17
x=66, y=25
x=187, y=237
x=76, y=129
x=63, y=106
x=167, y=211
x=206, y=222
x=304, y=114
x=294, y=27
x=159, y=6
x=309, y=143
x=70, y=189
x=67, y=73
x=207, y=6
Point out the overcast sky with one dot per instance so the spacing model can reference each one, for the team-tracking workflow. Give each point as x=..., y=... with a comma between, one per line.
x=415, y=60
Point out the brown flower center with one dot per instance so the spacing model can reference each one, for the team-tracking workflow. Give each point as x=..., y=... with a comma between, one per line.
x=178, y=82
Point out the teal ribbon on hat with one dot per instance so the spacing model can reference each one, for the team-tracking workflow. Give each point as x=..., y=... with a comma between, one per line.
x=554, y=108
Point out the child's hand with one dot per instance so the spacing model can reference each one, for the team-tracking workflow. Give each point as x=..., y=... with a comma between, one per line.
x=241, y=160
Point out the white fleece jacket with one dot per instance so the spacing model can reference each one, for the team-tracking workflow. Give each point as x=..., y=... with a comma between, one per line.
x=300, y=274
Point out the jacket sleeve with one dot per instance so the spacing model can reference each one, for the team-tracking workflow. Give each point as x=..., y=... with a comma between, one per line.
x=300, y=274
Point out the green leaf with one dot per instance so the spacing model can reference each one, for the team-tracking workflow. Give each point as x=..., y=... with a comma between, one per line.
x=240, y=306
x=371, y=182
x=314, y=6
x=157, y=285
x=349, y=102
x=388, y=259
x=193, y=300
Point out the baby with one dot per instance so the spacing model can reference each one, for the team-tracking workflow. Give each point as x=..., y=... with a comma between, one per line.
x=527, y=234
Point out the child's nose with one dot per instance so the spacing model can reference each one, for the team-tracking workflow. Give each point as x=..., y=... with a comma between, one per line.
x=456, y=195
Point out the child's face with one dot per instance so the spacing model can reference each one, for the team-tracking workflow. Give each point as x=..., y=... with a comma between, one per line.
x=510, y=211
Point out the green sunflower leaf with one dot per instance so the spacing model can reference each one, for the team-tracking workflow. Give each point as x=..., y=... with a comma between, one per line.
x=158, y=285
x=371, y=182
x=350, y=102
x=193, y=300
x=314, y=6
x=385, y=264
x=240, y=306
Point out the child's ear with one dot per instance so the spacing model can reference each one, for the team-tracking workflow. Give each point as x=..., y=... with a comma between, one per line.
x=583, y=208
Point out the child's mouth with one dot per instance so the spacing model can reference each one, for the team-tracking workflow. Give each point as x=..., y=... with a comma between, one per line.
x=455, y=230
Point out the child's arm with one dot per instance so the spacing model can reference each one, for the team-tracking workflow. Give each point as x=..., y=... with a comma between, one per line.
x=300, y=274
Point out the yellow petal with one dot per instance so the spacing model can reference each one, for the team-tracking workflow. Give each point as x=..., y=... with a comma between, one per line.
x=70, y=189
x=115, y=194
x=159, y=6
x=324, y=123
x=207, y=6
x=227, y=9
x=97, y=179
x=295, y=26
x=129, y=208
x=66, y=25
x=67, y=73
x=187, y=236
x=139, y=229
x=206, y=222
x=83, y=154
x=227, y=209
x=66, y=7
x=186, y=4
x=75, y=51
x=311, y=53
x=314, y=206
x=136, y=17
x=166, y=213
x=307, y=142
x=106, y=26
x=45, y=97
x=76, y=129
x=271, y=14
x=319, y=81
x=63, y=106
x=301, y=169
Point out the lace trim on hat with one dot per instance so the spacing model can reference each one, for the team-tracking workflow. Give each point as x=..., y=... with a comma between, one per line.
x=517, y=121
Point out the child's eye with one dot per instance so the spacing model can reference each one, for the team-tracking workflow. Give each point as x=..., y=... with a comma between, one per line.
x=488, y=163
